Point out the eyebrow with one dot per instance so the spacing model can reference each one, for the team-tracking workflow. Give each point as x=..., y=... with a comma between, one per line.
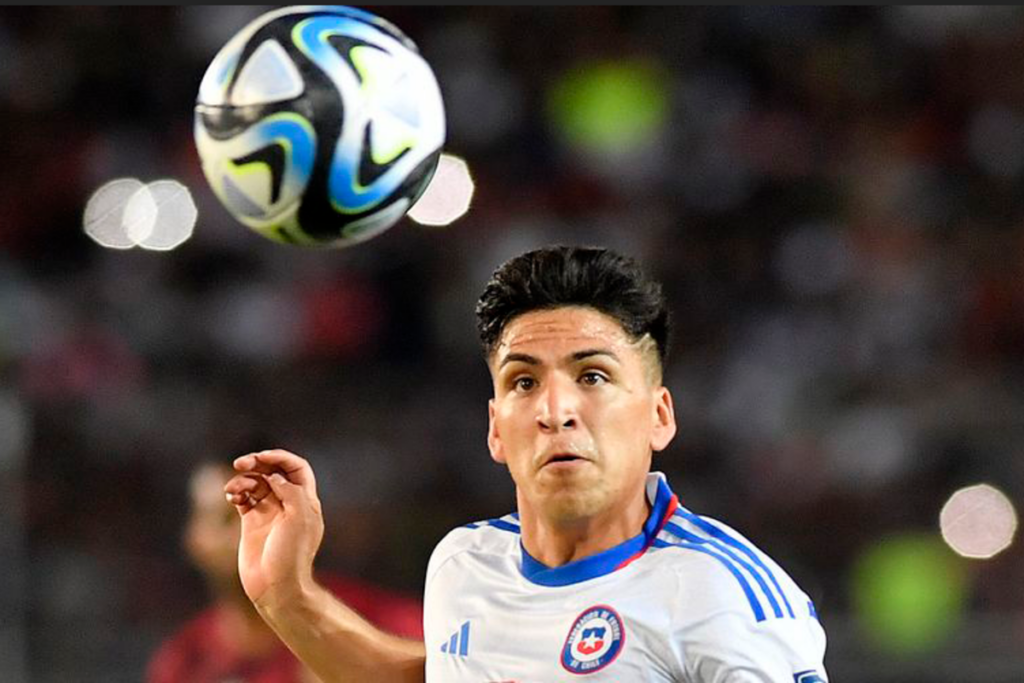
x=589, y=353
x=576, y=357
x=518, y=357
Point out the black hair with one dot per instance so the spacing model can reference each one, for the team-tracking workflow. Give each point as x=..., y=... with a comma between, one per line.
x=556, y=276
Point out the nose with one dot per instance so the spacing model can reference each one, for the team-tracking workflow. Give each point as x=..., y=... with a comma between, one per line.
x=558, y=406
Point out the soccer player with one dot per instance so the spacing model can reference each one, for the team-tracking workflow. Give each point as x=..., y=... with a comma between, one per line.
x=600, y=574
x=228, y=642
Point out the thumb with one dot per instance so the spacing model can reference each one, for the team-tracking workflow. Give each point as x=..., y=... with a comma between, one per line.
x=289, y=494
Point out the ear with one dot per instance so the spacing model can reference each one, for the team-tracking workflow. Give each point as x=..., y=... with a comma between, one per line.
x=493, y=438
x=664, y=420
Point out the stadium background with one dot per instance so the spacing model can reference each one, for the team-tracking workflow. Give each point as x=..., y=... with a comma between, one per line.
x=833, y=197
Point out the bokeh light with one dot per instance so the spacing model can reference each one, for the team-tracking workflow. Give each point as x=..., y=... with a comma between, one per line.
x=610, y=107
x=140, y=215
x=126, y=212
x=175, y=218
x=105, y=212
x=448, y=196
x=978, y=521
x=908, y=591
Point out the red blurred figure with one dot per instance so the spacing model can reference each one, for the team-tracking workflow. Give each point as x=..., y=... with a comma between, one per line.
x=228, y=642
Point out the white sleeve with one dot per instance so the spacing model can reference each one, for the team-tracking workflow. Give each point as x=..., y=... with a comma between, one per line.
x=434, y=602
x=731, y=647
x=721, y=636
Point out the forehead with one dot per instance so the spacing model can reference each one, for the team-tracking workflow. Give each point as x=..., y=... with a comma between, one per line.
x=561, y=329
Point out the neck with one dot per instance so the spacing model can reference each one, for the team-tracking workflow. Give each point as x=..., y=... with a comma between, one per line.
x=557, y=540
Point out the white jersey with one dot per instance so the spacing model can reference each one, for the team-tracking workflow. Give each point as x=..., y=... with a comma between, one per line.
x=688, y=600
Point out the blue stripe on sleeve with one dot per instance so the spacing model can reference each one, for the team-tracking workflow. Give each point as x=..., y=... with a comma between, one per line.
x=694, y=538
x=503, y=525
x=755, y=605
x=721, y=535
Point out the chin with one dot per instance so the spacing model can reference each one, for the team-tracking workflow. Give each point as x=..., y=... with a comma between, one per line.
x=571, y=506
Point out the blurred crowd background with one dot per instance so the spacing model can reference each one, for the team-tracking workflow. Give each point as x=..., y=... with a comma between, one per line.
x=834, y=199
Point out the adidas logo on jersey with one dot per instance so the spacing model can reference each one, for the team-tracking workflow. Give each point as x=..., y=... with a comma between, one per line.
x=458, y=644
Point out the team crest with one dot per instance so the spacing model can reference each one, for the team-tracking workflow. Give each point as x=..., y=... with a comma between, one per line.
x=595, y=640
x=808, y=677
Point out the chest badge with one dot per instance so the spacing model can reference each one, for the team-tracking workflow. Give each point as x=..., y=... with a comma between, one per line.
x=594, y=641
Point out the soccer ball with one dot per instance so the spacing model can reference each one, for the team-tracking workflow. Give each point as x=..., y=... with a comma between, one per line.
x=319, y=126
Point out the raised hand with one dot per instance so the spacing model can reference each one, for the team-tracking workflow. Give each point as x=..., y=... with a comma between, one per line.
x=282, y=522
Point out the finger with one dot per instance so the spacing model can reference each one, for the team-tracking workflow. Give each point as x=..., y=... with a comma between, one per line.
x=243, y=483
x=295, y=469
x=246, y=490
x=241, y=502
x=269, y=461
x=293, y=496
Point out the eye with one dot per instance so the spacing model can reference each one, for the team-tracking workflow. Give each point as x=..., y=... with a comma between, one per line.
x=524, y=383
x=593, y=378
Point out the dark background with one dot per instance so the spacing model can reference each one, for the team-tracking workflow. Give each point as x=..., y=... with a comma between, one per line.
x=833, y=198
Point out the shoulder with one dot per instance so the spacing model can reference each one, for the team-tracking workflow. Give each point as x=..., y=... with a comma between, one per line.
x=738, y=609
x=492, y=537
x=723, y=568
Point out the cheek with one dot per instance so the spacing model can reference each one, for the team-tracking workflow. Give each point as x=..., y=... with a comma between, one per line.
x=513, y=420
x=623, y=409
x=627, y=423
x=507, y=432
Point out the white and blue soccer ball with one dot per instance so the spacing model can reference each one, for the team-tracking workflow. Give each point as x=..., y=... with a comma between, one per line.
x=319, y=126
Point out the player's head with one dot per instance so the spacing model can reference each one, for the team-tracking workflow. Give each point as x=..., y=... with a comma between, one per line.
x=575, y=340
x=558, y=276
x=212, y=529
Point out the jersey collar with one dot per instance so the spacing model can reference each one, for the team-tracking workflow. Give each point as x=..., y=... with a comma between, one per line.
x=663, y=505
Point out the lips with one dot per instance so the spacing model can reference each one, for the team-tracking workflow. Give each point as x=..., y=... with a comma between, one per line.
x=561, y=458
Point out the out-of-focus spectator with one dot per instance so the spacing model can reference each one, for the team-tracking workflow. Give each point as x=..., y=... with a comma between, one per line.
x=228, y=640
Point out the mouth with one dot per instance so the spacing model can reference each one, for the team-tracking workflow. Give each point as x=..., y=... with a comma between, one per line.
x=562, y=459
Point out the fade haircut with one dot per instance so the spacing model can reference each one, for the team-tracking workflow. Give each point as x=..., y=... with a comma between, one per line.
x=557, y=276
